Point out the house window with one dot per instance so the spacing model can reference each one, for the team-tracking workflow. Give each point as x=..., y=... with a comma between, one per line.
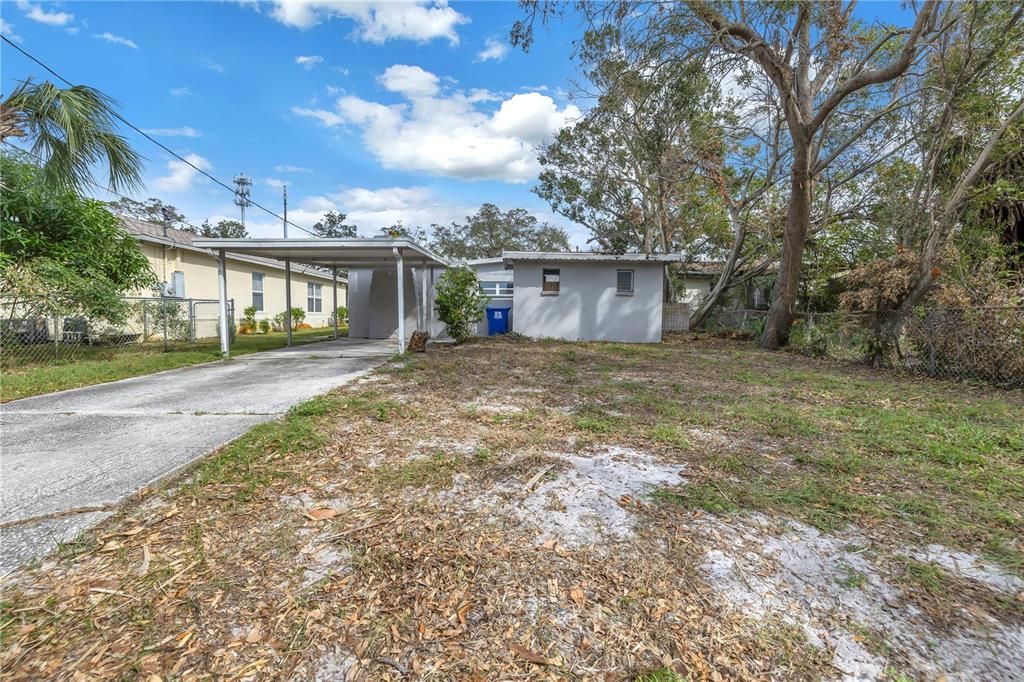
x=494, y=289
x=257, y=291
x=550, y=281
x=314, y=302
x=178, y=284
x=624, y=282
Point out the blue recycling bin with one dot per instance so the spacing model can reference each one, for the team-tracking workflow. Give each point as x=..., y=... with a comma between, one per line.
x=497, y=320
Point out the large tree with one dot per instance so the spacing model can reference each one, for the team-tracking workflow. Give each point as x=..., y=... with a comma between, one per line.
x=70, y=130
x=665, y=161
x=834, y=79
x=489, y=231
x=400, y=230
x=964, y=154
x=333, y=226
x=224, y=229
x=62, y=254
x=151, y=210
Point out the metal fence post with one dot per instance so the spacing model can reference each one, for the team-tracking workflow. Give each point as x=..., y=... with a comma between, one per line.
x=56, y=338
x=192, y=321
x=163, y=308
x=930, y=327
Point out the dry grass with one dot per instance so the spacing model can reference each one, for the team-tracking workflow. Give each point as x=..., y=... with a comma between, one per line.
x=373, y=534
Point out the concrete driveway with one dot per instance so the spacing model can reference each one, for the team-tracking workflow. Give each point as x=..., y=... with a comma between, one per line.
x=69, y=458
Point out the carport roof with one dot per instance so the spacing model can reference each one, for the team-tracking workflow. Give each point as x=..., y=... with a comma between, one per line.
x=340, y=253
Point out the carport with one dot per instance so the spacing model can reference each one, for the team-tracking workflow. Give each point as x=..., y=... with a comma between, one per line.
x=330, y=254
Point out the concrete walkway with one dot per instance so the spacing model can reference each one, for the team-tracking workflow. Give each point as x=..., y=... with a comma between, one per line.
x=69, y=458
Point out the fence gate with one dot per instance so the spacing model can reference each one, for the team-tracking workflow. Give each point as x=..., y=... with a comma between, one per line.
x=675, y=317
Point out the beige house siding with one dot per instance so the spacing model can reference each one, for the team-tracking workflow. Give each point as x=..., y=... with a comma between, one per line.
x=200, y=274
x=697, y=289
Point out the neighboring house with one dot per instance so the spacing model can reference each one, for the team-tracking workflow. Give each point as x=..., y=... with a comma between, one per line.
x=186, y=271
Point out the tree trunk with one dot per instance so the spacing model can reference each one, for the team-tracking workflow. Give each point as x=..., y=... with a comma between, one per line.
x=787, y=282
x=725, y=277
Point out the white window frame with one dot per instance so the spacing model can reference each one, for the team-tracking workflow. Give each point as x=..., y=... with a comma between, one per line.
x=314, y=297
x=497, y=288
x=619, y=291
x=262, y=279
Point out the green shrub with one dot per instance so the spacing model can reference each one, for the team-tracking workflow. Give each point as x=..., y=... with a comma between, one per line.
x=298, y=315
x=459, y=302
x=264, y=326
x=249, y=317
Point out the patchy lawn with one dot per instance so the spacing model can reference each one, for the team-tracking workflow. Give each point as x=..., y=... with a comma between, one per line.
x=98, y=365
x=521, y=510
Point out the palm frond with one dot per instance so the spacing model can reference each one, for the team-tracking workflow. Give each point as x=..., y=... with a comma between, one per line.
x=72, y=130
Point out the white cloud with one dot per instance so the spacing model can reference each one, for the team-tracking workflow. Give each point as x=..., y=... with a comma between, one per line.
x=117, y=40
x=376, y=21
x=274, y=182
x=181, y=92
x=284, y=168
x=37, y=13
x=343, y=70
x=308, y=62
x=450, y=133
x=73, y=30
x=334, y=90
x=8, y=31
x=180, y=175
x=326, y=118
x=372, y=209
x=493, y=49
x=411, y=81
x=172, y=132
x=211, y=65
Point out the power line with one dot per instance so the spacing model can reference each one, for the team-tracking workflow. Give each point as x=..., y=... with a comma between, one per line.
x=162, y=146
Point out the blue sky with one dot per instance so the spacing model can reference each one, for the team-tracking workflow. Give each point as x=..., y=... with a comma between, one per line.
x=386, y=111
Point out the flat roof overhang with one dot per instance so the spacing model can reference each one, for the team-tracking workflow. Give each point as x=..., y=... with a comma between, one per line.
x=510, y=257
x=330, y=253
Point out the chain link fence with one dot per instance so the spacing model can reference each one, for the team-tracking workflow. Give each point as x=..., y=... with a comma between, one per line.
x=972, y=344
x=28, y=337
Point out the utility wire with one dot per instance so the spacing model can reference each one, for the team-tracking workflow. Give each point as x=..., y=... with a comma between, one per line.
x=162, y=146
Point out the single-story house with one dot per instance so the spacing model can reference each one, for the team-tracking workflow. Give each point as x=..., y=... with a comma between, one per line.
x=187, y=271
x=571, y=295
x=588, y=296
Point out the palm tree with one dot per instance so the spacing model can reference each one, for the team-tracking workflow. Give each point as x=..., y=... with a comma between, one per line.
x=71, y=129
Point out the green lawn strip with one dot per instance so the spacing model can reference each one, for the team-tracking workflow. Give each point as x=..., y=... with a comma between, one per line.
x=913, y=456
x=100, y=365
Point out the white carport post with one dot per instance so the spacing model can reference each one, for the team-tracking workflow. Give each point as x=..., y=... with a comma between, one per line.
x=288, y=297
x=399, y=263
x=222, y=292
x=424, y=297
x=334, y=286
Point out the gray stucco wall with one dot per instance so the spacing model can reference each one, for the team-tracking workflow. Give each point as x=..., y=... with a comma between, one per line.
x=373, y=302
x=587, y=307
